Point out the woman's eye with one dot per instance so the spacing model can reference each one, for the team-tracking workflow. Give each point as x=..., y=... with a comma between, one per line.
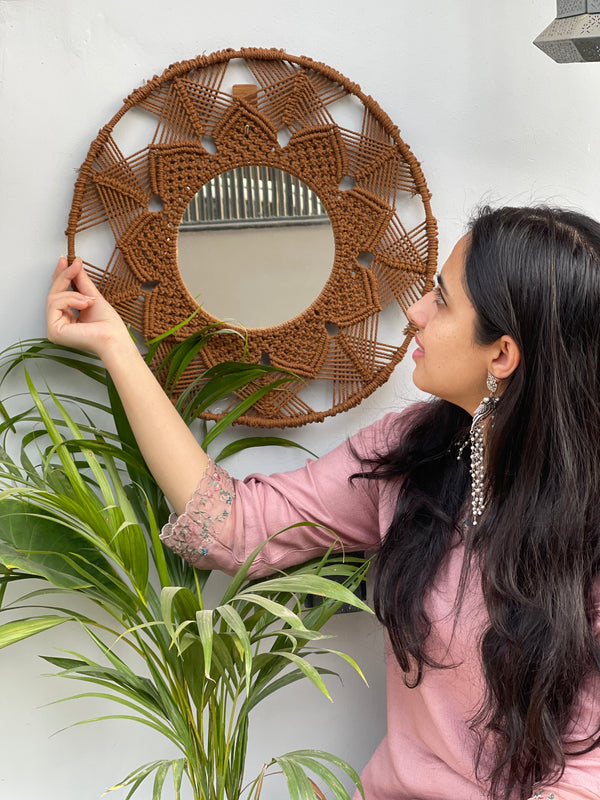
x=439, y=297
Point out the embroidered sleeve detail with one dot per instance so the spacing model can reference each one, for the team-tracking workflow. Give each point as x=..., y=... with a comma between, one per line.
x=564, y=792
x=191, y=534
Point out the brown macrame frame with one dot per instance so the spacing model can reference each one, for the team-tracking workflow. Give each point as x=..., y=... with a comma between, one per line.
x=336, y=337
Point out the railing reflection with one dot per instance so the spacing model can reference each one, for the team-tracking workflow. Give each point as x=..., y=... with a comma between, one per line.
x=253, y=196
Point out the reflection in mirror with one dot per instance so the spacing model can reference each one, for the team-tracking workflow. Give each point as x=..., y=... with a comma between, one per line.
x=255, y=246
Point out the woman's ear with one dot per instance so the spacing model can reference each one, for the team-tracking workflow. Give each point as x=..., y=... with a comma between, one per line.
x=505, y=359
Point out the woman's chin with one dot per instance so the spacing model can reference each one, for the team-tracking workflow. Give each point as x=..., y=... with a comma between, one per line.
x=419, y=382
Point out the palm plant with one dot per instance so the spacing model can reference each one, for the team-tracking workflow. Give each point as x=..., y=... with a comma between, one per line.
x=80, y=510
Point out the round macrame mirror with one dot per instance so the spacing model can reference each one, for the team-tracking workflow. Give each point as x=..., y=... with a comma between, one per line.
x=284, y=120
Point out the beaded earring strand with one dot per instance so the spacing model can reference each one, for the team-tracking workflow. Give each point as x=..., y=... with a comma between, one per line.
x=484, y=410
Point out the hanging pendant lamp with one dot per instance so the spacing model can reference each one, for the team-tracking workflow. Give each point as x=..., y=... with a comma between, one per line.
x=574, y=35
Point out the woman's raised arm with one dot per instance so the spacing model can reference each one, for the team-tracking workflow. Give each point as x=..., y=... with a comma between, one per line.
x=78, y=316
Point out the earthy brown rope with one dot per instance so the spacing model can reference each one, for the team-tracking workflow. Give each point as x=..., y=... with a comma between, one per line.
x=336, y=338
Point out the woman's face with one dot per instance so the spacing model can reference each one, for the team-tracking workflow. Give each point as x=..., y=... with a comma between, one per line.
x=448, y=361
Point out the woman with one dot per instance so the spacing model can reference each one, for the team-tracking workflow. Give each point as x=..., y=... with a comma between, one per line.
x=483, y=505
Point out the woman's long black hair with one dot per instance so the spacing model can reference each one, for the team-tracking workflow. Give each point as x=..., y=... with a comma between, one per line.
x=534, y=274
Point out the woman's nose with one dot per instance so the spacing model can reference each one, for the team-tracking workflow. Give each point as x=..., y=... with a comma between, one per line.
x=417, y=313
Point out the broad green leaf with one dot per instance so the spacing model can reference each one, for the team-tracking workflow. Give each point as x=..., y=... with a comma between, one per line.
x=159, y=780
x=114, y=659
x=44, y=349
x=349, y=660
x=239, y=409
x=243, y=572
x=180, y=357
x=296, y=638
x=236, y=623
x=310, y=584
x=136, y=777
x=219, y=382
x=8, y=466
x=145, y=715
x=86, y=451
x=71, y=472
x=278, y=610
x=146, y=720
x=178, y=603
x=44, y=546
x=299, y=785
x=158, y=549
x=327, y=775
x=130, y=544
x=273, y=686
x=18, y=630
x=333, y=759
x=58, y=483
x=192, y=659
x=104, y=448
x=204, y=620
x=150, y=343
x=178, y=771
x=135, y=687
x=224, y=666
x=309, y=671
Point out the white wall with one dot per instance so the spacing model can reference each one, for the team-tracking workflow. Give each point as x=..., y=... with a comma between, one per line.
x=491, y=119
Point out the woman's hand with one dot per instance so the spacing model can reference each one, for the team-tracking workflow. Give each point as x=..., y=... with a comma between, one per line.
x=82, y=318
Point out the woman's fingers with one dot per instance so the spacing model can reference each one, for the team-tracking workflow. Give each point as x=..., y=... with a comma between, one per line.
x=60, y=311
x=72, y=276
x=67, y=275
x=62, y=303
x=74, y=273
x=60, y=267
x=64, y=272
x=82, y=282
x=78, y=315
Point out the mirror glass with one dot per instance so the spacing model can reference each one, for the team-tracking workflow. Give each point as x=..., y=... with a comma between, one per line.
x=255, y=246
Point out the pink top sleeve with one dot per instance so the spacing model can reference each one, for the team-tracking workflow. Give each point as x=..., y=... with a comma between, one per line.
x=225, y=519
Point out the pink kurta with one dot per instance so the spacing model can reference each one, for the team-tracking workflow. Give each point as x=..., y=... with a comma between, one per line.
x=429, y=751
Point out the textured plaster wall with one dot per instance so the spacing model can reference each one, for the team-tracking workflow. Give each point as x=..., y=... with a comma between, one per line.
x=491, y=119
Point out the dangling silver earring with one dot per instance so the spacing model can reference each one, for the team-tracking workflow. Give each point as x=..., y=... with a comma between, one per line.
x=484, y=410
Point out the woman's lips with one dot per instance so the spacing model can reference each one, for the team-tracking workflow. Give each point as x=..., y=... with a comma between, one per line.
x=418, y=352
